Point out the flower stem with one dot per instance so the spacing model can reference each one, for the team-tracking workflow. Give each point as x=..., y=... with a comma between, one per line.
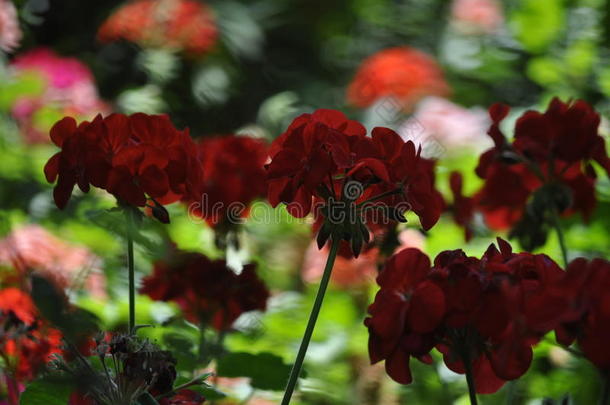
x=130, y=267
x=472, y=392
x=560, y=236
x=605, y=397
x=313, y=317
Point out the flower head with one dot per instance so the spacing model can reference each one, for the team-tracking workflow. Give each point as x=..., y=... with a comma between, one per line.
x=404, y=73
x=27, y=342
x=206, y=290
x=136, y=158
x=488, y=311
x=352, y=178
x=233, y=176
x=586, y=285
x=32, y=248
x=186, y=25
x=69, y=89
x=546, y=170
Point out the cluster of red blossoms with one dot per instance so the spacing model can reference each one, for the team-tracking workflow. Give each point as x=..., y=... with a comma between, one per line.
x=26, y=340
x=233, y=177
x=207, y=291
x=186, y=25
x=326, y=157
x=141, y=159
x=546, y=167
x=482, y=313
x=403, y=73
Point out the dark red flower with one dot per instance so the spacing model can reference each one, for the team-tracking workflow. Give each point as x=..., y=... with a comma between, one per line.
x=490, y=311
x=402, y=72
x=186, y=25
x=233, y=176
x=545, y=170
x=587, y=284
x=407, y=309
x=313, y=148
x=206, y=290
x=135, y=158
x=356, y=181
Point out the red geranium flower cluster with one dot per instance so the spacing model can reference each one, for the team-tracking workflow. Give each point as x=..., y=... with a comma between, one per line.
x=206, y=290
x=587, y=285
x=233, y=176
x=136, y=158
x=546, y=168
x=402, y=72
x=186, y=25
x=326, y=157
x=26, y=340
x=488, y=312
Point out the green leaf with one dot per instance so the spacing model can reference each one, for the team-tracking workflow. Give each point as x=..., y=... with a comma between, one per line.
x=266, y=371
x=537, y=23
x=47, y=391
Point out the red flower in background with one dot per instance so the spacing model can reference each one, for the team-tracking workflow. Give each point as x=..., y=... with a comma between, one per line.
x=490, y=310
x=135, y=158
x=233, y=176
x=185, y=25
x=206, y=290
x=404, y=73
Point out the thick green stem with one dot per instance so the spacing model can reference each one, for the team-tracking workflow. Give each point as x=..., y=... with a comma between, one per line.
x=131, y=269
x=313, y=317
x=560, y=236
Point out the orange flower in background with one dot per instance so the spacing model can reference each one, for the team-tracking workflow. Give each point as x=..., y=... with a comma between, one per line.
x=32, y=248
x=185, y=25
x=404, y=73
x=26, y=341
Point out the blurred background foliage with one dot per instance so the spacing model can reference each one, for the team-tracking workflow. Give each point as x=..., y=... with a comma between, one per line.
x=272, y=60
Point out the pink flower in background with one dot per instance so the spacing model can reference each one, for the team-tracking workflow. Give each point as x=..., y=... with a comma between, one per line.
x=352, y=272
x=70, y=90
x=10, y=33
x=347, y=272
x=477, y=16
x=32, y=248
x=441, y=126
